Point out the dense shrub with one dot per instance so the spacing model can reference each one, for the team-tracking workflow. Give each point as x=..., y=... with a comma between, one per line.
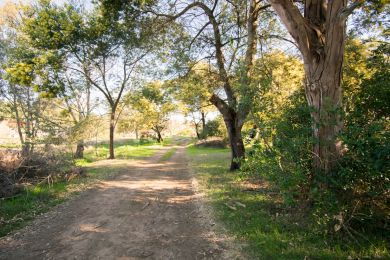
x=282, y=153
x=364, y=172
x=215, y=128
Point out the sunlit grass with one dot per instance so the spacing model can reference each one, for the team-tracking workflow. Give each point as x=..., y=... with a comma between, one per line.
x=10, y=146
x=268, y=227
x=128, y=149
x=168, y=155
x=31, y=202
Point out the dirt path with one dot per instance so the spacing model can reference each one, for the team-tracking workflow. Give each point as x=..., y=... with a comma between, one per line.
x=151, y=211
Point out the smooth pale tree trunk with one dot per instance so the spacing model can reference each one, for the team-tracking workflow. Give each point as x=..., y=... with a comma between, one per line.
x=112, y=130
x=18, y=121
x=25, y=147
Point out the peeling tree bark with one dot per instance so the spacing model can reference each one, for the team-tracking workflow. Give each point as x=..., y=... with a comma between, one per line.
x=320, y=34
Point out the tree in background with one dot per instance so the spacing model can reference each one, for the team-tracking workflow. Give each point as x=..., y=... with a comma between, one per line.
x=46, y=32
x=155, y=105
x=76, y=104
x=230, y=31
x=131, y=120
x=101, y=48
x=25, y=71
x=193, y=91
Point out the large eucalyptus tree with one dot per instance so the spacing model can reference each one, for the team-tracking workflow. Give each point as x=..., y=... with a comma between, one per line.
x=319, y=29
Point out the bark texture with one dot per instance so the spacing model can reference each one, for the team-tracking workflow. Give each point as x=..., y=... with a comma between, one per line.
x=320, y=34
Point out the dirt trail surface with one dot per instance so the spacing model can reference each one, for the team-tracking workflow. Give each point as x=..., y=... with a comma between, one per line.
x=150, y=211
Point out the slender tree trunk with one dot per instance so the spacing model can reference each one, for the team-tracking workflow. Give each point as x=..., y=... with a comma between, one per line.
x=204, y=130
x=203, y=120
x=159, y=137
x=197, y=131
x=236, y=142
x=136, y=133
x=112, y=130
x=18, y=121
x=79, y=154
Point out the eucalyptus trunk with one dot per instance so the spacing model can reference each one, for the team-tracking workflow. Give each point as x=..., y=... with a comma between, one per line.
x=323, y=93
x=320, y=35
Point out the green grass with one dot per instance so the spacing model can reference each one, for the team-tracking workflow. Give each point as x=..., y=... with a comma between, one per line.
x=129, y=149
x=168, y=154
x=17, y=211
x=10, y=146
x=269, y=228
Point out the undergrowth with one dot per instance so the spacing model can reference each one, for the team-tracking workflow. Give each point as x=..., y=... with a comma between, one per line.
x=259, y=216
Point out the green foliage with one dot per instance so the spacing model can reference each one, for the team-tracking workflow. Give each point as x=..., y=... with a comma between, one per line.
x=154, y=105
x=278, y=76
x=15, y=212
x=194, y=90
x=281, y=155
x=372, y=14
x=215, y=127
x=51, y=27
x=363, y=175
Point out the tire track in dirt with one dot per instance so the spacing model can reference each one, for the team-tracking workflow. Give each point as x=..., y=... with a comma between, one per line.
x=150, y=211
